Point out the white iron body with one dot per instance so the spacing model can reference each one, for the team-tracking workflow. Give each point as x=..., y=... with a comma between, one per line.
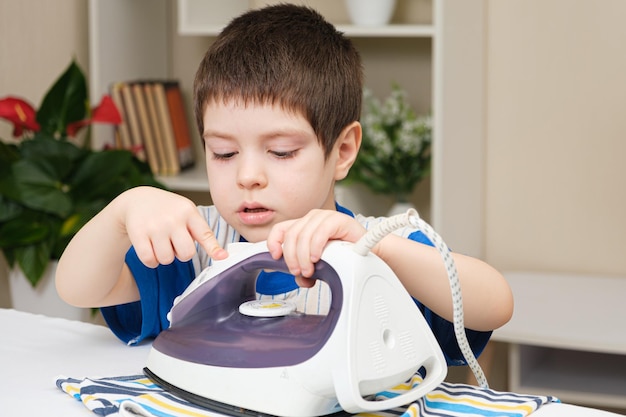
x=379, y=340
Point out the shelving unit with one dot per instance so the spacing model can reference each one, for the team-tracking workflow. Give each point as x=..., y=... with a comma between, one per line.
x=566, y=337
x=133, y=39
x=112, y=53
x=208, y=17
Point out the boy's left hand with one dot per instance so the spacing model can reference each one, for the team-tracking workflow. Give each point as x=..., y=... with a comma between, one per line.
x=302, y=241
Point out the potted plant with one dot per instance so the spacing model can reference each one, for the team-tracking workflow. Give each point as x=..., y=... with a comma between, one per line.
x=395, y=150
x=51, y=180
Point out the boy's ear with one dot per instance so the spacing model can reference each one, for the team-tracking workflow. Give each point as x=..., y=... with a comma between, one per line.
x=347, y=146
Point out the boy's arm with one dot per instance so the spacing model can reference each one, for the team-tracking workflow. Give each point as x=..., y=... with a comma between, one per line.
x=159, y=224
x=487, y=298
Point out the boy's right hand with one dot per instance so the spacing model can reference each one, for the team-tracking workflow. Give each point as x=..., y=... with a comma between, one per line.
x=162, y=225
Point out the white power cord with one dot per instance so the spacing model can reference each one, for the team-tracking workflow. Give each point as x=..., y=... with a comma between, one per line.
x=411, y=218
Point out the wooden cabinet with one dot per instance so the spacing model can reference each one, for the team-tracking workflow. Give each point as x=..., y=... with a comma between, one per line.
x=566, y=337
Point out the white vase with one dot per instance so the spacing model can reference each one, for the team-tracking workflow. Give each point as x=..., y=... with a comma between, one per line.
x=370, y=12
x=43, y=299
x=400, y=207
x=360, y=200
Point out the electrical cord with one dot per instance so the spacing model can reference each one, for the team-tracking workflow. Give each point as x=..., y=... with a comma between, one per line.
x=412, y=218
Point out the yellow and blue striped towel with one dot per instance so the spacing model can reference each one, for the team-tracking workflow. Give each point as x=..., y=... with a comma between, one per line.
x=137, y=395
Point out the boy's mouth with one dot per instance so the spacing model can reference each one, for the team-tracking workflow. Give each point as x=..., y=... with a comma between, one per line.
x=254, y=215
x=254, y=210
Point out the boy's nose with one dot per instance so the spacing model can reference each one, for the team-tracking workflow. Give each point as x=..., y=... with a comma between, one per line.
x=251, y=176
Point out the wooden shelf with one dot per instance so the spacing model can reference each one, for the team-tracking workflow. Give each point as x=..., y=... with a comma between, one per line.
x=566, y=337
x=192, y=179
x=388, y=31
x=208, y=18
x=592, y=378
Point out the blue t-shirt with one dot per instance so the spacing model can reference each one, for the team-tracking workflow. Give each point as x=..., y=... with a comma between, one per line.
x=136, y=321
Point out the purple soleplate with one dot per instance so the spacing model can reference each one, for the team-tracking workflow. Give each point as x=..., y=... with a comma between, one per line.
x=207, y=327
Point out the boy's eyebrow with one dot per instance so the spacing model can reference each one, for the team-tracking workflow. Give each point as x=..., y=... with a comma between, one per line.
x=208, y=133
x=290, y=132
x=272, y=134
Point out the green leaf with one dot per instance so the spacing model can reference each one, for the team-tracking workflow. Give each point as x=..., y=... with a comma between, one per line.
x=38, y=190
x=112, y=162
x=33, y=260
x=65, y=102
x=9, y=209
x=9, y=256
x=123, y=171
x=44, y=147
x=8, y=153
x=22, y=231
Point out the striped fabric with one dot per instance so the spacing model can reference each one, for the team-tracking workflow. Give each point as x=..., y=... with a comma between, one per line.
x=455, y=400
x=314, y=300
x=138, y=396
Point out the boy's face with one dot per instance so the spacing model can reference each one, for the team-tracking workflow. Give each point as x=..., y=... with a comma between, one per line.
x=265, y=165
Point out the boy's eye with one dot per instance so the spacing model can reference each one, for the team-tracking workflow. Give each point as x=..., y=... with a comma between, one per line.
x=284, y=154
x=223, y=156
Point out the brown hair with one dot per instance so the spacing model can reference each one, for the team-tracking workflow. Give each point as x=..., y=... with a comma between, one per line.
x=289, y=55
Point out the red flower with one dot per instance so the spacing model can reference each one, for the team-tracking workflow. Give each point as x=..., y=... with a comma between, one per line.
x=105, y=112
x=20, y=113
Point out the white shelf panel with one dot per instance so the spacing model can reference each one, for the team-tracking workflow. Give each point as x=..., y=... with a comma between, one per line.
x=192, y=179
x=200, y=30
x=208, y=18
x=389, y=31
x=570, y=311
x=140, y=31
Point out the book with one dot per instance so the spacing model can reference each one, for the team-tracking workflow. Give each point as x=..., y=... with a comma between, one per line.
x=155, y=124
x=145, y=128
x=178, y=115
x=123, y=135
x=171, y=156
x=157, y=131
x=133, y=121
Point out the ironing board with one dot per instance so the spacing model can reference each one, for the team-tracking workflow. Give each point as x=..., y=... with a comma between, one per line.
x=34, y=349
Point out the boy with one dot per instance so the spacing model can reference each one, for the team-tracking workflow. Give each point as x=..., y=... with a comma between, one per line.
x=277, y=102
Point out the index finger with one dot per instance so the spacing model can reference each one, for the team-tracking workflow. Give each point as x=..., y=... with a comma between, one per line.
x=202, y=233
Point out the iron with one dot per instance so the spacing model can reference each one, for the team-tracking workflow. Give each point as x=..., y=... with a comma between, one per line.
x=373, y=338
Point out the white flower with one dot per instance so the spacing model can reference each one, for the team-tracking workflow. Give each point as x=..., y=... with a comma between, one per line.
x=395, y=151
x=407, y=140
x=381, y=141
